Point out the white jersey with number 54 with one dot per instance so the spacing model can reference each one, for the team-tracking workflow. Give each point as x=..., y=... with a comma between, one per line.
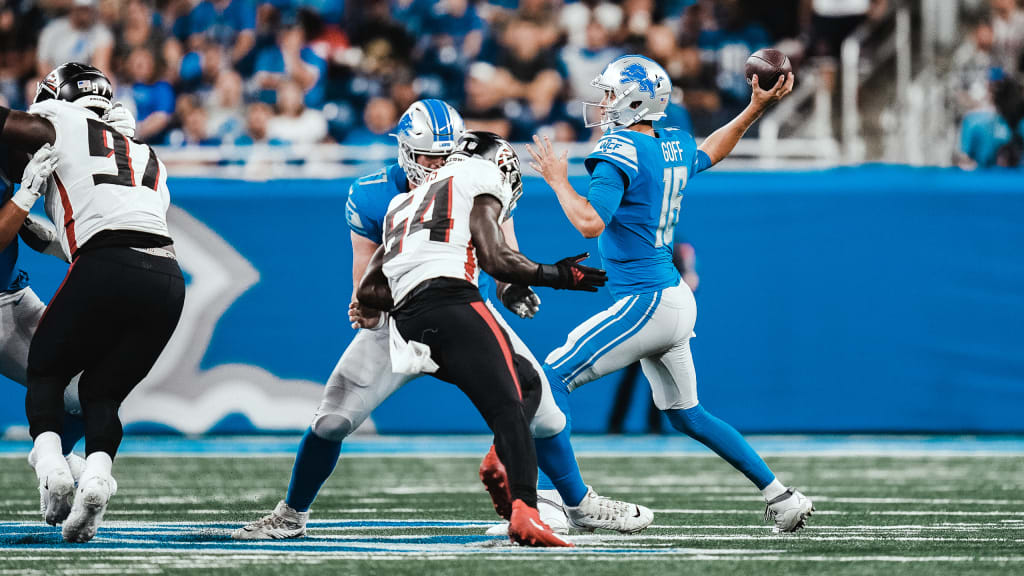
x=103, y=180
x=426, y=231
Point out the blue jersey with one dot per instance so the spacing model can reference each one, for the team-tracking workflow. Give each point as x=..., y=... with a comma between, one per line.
x=368, y=200
x=641, y=211
x=11, y=278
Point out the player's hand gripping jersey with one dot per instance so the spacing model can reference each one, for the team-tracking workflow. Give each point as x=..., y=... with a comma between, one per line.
x=104, y=180
x=641, y=216
x=426, y=232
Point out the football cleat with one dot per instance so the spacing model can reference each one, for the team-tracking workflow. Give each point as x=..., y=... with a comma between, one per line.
x=492, y=474
x=595, y=512
x=284, y=522
x=56, y=488
x=552, y=511
x=527, y=529
x=87, y=512
x=77, y=466
x=789, y=511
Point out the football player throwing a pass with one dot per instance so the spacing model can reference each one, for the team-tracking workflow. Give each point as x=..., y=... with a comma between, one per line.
x=638, y=175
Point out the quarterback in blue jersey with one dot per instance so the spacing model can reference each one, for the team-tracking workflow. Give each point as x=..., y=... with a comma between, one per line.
x=427, y=134
x=638, y=175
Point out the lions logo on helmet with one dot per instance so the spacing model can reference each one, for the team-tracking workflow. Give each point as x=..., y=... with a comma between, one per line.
x=428, y=128
x=636, y=88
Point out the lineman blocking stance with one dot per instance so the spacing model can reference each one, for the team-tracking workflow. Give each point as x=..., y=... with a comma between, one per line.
x=434, y=238
x=363, y=379
x=20, y=307
x=638, y=175
x=122, y=296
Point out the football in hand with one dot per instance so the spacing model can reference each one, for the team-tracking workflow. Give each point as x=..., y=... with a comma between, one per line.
x=768, y=64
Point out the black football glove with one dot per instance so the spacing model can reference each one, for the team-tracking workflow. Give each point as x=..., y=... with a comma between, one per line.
x=521, y=300
x=569, y=274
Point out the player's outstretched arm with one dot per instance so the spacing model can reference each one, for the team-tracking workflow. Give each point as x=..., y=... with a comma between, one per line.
x=374, y=294
x=555, y=170
x=721, y=142
x=498, y=259
x=26, y=132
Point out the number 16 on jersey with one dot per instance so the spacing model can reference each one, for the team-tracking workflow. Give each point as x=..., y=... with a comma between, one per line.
x=675, y=182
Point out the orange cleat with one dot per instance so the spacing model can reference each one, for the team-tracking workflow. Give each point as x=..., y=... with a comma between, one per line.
x=492, y=474
x=527, y=529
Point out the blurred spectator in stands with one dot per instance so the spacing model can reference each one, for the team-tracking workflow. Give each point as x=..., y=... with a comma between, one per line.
x=639, y=18
x=726, y=40
x=453, y=29
x=682, y=66
x=137, y=30
x=19, y=27
x=381, y=48
x=77, y=37
x=544, y=15
x=193, y=131
x=831, y=21
x=153, y=98
x=229, y=23
x=484, y=108
x=584, y=62
x=971, y=67
x=291, y=59
x=1008, y=34
x=993, y=137
x=257, y=121
x=379, y=119
x=529, y=73
x=294, y=123
x=225, y=109
x=201, y=68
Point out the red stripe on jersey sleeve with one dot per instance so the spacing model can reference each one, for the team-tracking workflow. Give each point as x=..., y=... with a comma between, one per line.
x=470, y=263
x=69, y=215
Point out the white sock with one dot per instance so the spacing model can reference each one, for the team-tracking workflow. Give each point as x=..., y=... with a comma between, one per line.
x=96, y=464
x=46, y=453
x=773, y=490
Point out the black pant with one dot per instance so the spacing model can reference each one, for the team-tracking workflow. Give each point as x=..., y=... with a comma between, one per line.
x=110, y=320
x=474, y=353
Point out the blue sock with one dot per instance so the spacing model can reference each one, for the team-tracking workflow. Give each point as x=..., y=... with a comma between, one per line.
x=73, y=430
x=700, y=425
x=555, y=455
x=313, y=465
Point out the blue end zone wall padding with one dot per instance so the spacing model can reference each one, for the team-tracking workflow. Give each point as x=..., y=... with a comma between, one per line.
x=857, y=299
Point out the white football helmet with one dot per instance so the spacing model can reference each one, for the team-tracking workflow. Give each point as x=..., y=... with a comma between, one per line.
x=430, y=127
x=636, y=88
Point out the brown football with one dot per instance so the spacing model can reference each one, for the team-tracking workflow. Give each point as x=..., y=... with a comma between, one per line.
x=768, y=64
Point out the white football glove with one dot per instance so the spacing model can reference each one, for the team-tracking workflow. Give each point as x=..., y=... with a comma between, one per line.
x=35, y=178
x=120, y=118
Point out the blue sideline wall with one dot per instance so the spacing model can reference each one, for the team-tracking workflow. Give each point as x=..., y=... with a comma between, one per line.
x=875, y=299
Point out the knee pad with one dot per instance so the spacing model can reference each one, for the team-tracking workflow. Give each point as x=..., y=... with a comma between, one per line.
x=332, y=426
x=547, y=423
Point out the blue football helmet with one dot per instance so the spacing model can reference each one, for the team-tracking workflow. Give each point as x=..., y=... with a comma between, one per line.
x=429, y=127
x=636, y=88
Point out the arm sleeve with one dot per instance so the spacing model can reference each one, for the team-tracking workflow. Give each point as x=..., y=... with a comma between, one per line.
x=357, y=221
x=701, y=162
x=607, y=185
